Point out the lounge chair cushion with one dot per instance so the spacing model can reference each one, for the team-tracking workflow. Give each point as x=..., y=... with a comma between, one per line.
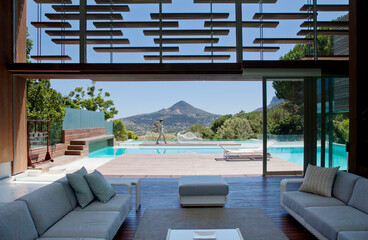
x=16, y=222
x=319, y=180
x=298, y=201
x=331, y=220
x=359, y=198
x=81, y=187
x=86, y=224
x=356, y=235
x=47, y=205
x=203, y=186
x=100, y=187
x=344, y=185
x=120, y=202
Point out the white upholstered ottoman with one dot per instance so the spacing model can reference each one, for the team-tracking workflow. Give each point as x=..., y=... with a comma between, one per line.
x=202, y=191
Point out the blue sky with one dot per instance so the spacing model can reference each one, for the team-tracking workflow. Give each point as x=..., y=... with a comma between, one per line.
x=217, y=97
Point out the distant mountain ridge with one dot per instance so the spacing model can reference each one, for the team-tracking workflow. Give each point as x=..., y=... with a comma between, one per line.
x=178, y=117
x=274, y=102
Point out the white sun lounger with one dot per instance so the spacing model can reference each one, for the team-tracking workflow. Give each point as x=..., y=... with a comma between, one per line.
x=244, y=154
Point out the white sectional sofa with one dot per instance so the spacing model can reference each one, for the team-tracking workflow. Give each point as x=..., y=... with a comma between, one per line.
x=52, y=213
x=344, y=216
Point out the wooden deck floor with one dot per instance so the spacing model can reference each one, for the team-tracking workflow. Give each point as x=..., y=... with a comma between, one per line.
x=174, y=165
x=263, y=192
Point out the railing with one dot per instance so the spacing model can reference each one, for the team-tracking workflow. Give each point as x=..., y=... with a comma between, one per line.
x=36, y=131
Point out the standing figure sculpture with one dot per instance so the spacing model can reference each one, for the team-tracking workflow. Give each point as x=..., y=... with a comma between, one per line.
x=162, y=132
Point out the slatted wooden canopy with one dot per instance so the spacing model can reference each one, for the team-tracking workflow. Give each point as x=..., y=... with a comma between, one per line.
x=185, y=32
x=187, y=57
x=91, y=41
x=137, y=24
x=136, y=49
x=107, y=17
x=245, y=49
x=88, y=33
x=326, y=8
x=190, y=16
x=245, y=24
x=92, y=8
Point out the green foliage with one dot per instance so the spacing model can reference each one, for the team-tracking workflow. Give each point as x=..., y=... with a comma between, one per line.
x=43, y=102
x=95, y=102
x=217, y=123
x=235, y=128
x=254, y=119
x=131, y=135
x=201, y=131
x=324, y=47
x=341, y=128
x=119, y=130
x=29, y=45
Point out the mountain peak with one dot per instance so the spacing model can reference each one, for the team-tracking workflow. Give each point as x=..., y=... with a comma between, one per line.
x=181, y=104
x=178, y=117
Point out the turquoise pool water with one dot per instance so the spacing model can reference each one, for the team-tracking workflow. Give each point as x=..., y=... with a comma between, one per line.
x=292, y=154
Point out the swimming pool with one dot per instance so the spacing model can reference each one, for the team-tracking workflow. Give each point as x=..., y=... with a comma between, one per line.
x=291, y=154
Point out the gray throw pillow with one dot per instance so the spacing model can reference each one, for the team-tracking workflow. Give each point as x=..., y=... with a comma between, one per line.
x=319, y=180
x=81, y=187
x=99, y=186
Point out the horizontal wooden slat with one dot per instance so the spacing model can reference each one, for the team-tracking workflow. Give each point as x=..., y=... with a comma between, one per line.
x=245, y=24
x=54, y=1
x=197, y=32
x=338, y=24
x=90, y=41
x=189, y=16
x=135, y=49
x=286, y=16
x=233, y=1
x=324, y=57
x=187, y=57
x=92, y=8
x=89, y=33
x=324, y=32
x=186, y=40
x=51, y=24
x=283, y=40
x=326, y=7
x=245, y=49
x=155, y=24
x=132, y=1
x=89, y=16
x=52, y=57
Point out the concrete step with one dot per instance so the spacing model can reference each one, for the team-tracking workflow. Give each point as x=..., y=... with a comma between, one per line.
x=76, y=142
x=75, y=147
x=73, y=152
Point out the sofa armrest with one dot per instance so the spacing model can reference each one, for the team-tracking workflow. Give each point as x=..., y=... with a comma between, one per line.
x=285, y=182
x=129, y=185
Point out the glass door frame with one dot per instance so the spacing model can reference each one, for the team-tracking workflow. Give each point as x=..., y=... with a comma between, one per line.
x=310, y=123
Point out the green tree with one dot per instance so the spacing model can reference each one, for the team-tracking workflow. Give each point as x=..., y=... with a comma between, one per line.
x=235, y=128
x=119, y=130
x=156, y=127
x=201, y=131
x=217, y=123
x=131, y=135
x=95, y=102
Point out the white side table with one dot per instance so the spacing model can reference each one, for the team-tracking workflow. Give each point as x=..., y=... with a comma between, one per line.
x=123, y=181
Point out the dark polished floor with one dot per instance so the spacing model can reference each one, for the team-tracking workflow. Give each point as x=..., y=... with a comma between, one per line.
x=263, y=192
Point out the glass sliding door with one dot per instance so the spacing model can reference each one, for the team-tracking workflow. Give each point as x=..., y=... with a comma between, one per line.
x=333, y=122
x=284, y=115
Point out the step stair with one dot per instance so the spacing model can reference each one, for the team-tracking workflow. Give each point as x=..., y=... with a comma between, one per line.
x=73, y=152
x=75, y=147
